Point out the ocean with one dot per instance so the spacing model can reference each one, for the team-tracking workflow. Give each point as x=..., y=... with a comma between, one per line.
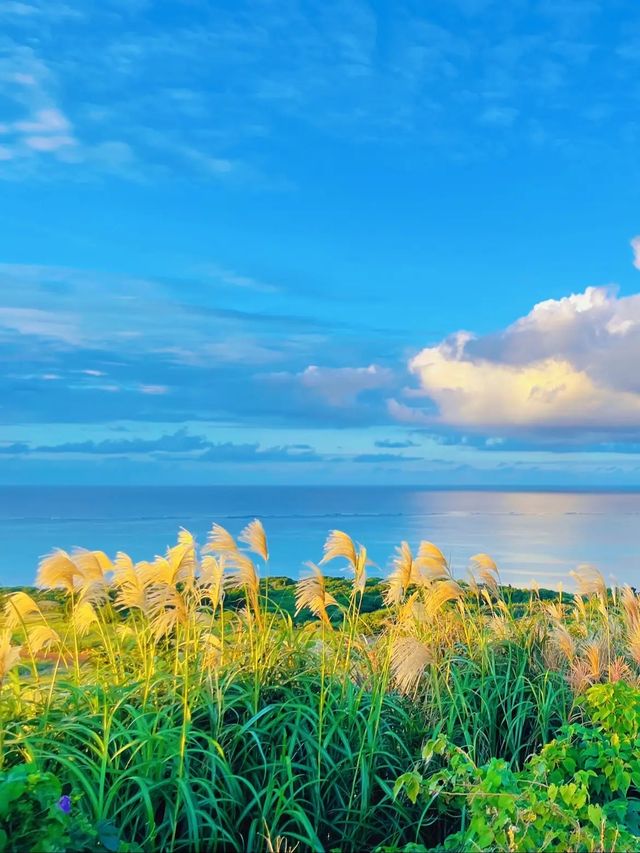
x=531, y=534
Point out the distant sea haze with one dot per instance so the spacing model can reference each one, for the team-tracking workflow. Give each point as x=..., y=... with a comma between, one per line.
x=541, y=535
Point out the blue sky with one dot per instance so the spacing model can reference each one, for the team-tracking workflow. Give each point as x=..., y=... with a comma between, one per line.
x=314, y=242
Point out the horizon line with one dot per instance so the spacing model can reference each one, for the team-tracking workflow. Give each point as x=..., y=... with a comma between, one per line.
x=414, y=486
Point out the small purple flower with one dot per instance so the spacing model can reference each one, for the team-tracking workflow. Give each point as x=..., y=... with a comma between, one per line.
x=64, y=803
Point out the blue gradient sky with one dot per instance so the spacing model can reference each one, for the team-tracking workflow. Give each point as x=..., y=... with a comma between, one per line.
x=317, y=242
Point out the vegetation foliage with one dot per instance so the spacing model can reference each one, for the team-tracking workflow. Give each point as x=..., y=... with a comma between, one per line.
x=185, y=703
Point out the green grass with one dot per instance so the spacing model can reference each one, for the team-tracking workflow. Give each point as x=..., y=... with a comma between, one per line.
x=278, y=716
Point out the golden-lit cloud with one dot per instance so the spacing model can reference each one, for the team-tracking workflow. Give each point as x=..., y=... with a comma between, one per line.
x=569, y=364
x=550, y=392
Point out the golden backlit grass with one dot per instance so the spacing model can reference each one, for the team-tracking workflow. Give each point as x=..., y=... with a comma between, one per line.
x=190, y=724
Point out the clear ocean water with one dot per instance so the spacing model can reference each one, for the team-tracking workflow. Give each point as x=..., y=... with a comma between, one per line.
x=540, y=535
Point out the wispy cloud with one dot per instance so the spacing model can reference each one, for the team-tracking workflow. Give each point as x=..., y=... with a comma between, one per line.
x=41, y=134
x=40, y=126
x=177, y=445
x=232, y=278
x=173, y=316
x=374, y=458
x=117, y=347
x=178, y=442
x=59, y=326
x=154, y=390
x=143, y=95
x=176, y=349
x=395, y=444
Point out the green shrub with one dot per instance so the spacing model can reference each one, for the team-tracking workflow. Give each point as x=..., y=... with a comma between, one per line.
x=581, y=792
x=32, y=811
x=36, y=816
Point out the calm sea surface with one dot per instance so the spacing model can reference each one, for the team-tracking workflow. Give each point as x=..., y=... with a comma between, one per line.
x=540, y=535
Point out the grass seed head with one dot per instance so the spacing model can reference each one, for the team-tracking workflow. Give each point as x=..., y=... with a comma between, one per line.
x=580, y=676
x=93, y=565
x=439, y=593
x=589, y=580
x=340, y=544
x=311, y=593
x=220, y=541
x=9, y=654
x=633, y=642
x=255, y=538
x=83, y=617
x=212, y=578
x=182, y=559
x=18, y=607
x=619, y=670
x=593, y=653
x=41, y=637
x=242, y=573
x=630, y=607
x=484, y=567
x=564, y=642
x=429, y=551
x=409, y=659
x=400, y=577
x=58, y=571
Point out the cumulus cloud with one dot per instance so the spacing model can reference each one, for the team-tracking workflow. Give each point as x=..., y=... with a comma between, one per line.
x=569, y=365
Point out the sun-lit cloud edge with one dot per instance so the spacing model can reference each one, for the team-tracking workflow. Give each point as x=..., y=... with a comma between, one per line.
x=564, y=371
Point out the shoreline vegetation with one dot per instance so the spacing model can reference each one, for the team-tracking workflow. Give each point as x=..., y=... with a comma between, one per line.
x=186, y=703
x=278, y=595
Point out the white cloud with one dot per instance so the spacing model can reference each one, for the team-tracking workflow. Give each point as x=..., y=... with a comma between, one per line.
x=48, y=324
x=154, y=390
x=192, y=95
x=42, y=132
x=339, y=386
x=407, y=414
x=570, y=364
x=635, y=245
x=11, y=7
x=43, y=128
x=50, y=120
x=234, y=279
x=48, y=143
